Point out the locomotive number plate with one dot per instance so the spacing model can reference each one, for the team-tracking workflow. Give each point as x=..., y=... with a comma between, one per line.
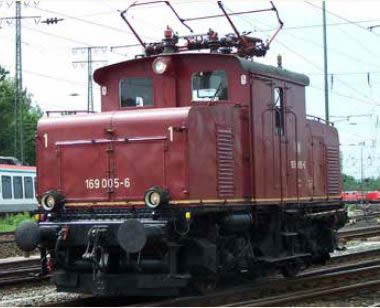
x=107, y=183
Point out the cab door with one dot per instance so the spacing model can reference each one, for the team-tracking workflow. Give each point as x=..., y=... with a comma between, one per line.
x=280, y=142
x=267, y=135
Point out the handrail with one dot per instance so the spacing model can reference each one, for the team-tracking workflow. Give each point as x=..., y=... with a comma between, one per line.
x=311, y=117
x=67, y=112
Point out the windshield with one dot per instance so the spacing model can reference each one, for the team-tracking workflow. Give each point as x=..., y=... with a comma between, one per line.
x=211, y=85
x=136, y=92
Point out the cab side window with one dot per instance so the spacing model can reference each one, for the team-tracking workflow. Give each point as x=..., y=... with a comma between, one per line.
x=210, y=86
x=17, y=187
x=28, y=184
x=279, y=112
x=6, y=184
x=136, y=92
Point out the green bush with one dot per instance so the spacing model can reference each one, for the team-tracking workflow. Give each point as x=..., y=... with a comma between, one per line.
x=9, y=222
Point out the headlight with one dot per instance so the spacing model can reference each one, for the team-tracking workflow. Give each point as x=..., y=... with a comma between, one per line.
x=155, y=196
x=161, y=65
x=51, y=200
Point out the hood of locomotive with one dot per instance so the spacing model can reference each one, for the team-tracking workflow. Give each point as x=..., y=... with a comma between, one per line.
x=111, y=159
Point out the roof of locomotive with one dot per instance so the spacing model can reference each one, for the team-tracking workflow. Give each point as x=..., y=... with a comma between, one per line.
x=248, y=65
x=263, y=69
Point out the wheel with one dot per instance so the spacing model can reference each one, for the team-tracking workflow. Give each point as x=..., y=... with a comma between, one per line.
x=205, y=286
x=291, y=269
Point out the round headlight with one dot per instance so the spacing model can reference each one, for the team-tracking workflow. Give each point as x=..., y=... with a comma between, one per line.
x=51, y=200
x=155, y=196
x=160, y=66
x=152, y=199
x=48, y=202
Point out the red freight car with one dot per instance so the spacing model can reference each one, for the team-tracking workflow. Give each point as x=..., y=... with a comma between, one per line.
x=350, y=196
x=372, y=196
x=199, y=165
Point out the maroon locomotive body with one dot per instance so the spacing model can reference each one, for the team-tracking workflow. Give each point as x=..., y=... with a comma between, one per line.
x=199, y=165
x=242, y=148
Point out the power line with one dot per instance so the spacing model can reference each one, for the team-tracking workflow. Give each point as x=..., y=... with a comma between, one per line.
x=334, y=50
x=90, y=61
x=332, y=24
x=92, y=23
x=58, y=36
x=320, y=69
x=55, y=78
x=347, y=73
x=343, y=18
x=345, y=96
x=352, y=23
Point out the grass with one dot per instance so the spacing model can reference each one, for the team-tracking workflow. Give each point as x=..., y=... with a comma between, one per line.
x=9, y=222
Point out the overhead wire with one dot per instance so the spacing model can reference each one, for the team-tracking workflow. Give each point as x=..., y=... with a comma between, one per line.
x=91, y=22
x=343, y=18
x=350, y=22
x=314, y=65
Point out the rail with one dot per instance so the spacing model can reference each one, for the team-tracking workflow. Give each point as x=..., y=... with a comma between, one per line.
x=17, y=271
x=280, y=291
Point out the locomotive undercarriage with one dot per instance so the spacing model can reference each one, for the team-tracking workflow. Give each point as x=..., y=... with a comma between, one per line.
x=182, y=250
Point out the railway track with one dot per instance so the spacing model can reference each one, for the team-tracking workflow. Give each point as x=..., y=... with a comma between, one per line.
x=271, y=289
x=357, y=233
x=16, y=272
x=20, y=270
x=278, y=291
x=7, y=237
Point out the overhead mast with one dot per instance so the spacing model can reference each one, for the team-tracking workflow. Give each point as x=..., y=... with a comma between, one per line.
x=325, y=63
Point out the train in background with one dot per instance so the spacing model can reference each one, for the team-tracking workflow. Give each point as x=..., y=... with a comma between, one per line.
x=361, y=196
x=201, y=166
x=17, y=187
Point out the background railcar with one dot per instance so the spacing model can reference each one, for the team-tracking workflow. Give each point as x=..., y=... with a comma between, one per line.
x=17, y=189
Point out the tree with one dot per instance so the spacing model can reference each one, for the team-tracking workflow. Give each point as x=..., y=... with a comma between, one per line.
x=3, y=73
x=31, y=115
x=350, y=183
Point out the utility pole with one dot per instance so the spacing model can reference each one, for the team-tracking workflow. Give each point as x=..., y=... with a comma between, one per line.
x=325, y=61
x=361, y=144
x=89, y=61
x=18, y=105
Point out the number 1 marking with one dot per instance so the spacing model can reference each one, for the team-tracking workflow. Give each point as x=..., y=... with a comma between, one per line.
x=46, y=140
x=170, y=129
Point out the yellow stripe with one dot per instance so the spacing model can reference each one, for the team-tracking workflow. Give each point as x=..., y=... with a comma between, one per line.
x=105, y=203
x=199, y=201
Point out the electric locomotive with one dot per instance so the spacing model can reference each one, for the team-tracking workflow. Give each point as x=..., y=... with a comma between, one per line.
x=200, y=165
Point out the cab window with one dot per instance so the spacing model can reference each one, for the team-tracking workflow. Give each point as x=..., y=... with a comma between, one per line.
x=136, y=92
x=210, y=86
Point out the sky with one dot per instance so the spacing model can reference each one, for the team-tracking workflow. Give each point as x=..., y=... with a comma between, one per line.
x=57, y=83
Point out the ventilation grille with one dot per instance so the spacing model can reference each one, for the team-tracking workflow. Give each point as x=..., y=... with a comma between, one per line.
x=333, y=171
x=225, y=161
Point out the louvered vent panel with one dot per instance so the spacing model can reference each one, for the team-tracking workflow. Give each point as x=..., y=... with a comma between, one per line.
x=333, y=171
x=225, y=176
